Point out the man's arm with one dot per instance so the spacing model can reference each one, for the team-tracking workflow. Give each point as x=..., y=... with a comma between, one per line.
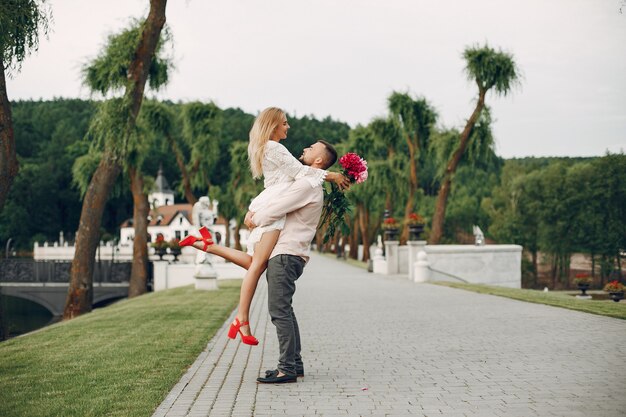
x=298, y=195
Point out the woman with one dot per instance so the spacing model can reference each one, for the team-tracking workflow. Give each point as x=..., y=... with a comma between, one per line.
x=279, y=168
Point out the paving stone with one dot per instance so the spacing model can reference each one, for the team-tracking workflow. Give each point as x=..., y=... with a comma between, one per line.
x=380, y=345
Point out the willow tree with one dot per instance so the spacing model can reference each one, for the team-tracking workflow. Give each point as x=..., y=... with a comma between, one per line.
x=491, y=70
x=162, y=120
x=387, y=135
x=139, y=152
x=21, y=21
x=416, y=119
x=241, y=184
x=113, y=127
x=201, y=130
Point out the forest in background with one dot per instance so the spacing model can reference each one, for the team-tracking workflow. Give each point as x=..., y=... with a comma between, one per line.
x=550, y=206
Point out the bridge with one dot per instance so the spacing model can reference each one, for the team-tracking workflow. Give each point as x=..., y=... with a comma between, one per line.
x=46, y=282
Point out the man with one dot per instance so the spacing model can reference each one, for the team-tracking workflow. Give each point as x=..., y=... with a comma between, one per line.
x=302, y=204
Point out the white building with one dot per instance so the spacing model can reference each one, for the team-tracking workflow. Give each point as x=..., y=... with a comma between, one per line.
x=170, y=219
x=166, y=217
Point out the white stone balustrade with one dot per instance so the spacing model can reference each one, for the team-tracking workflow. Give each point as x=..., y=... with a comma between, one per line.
x=172, y=275
x=489, y=264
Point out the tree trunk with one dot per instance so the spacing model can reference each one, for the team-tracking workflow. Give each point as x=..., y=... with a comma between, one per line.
x=319, y=238
x=80, y=293
x=388, y=201
x=354, y=238
x=593, y=265
x=180, y=161
x=553, y=268
x=140, y=65
x=388, y=197
x=364, y=220
x=237, y=236
x=535, y=266
x=227, y=235
x=8, y=160
x=442, y=197
x=141, y=209
x=410, y=203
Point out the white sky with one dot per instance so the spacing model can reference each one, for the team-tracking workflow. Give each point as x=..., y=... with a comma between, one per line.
x=343, y=58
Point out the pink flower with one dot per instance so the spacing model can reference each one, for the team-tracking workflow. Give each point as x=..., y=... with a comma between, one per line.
x=361, y=177
x=354, y=167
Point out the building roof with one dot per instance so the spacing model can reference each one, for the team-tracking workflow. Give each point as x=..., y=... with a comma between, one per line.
x=163, y=216
x=160, y=184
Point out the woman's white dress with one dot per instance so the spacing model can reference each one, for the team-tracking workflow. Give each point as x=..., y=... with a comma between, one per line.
x=280, y=170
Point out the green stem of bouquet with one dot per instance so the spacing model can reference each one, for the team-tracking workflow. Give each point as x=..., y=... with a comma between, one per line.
x=334, y=213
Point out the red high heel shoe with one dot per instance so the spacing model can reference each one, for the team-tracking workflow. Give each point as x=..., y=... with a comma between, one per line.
x=236, y=328
x=206, y=238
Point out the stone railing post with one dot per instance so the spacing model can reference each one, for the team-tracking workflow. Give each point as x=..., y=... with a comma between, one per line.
x=421, y=268
x=391, y=250
x=206, y=277
x=160, y=275
x=379, y=262
x=415, y=247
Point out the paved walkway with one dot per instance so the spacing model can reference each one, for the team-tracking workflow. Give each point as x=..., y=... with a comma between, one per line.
x=383, y=346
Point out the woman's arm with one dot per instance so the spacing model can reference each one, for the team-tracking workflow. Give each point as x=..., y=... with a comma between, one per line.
x=288, y=164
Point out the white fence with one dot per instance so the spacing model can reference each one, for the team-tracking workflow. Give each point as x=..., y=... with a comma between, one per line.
x=489, y=264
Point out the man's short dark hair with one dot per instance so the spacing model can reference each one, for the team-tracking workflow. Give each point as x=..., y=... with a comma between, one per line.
x=330, y=156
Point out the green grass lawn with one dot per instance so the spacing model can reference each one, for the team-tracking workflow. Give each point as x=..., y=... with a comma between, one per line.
x=120, y=360
x=554, y=298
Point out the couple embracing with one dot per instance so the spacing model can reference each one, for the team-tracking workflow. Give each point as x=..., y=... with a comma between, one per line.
x=283, y=220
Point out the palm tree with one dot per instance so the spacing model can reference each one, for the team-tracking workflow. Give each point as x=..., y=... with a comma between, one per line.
x=490, y=69
x=416, y=119
x=21, y=22
x=113, y=127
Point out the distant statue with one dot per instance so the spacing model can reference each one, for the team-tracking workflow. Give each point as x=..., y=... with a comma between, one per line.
x=378, y=252
x=202, y=215
x=479, y=237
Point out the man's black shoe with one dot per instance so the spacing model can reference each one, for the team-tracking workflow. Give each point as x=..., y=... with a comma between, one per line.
x=274, y=372
x=275, y=379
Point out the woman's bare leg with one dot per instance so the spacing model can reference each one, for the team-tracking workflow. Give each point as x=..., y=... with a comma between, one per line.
x=255, y=265
x=232, y=255
x=262, y=252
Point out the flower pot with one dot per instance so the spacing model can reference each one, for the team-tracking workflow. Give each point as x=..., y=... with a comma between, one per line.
x=616, y=296
x=583, y=286
x=391, y=234
x=415, y=231
x=176, y=253
x=160, y=252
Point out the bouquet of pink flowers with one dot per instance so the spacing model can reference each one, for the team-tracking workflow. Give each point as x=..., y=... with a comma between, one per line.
x=354, y=167
x=336, y=205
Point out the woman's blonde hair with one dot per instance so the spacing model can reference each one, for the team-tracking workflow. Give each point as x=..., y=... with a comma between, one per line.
x=262, y=129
